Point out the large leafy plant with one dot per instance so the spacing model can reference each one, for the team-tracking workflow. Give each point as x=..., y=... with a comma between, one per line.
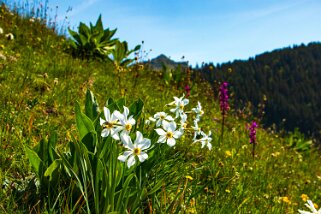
x=92, y=41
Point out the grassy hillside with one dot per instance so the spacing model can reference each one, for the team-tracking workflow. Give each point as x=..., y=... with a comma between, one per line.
x=40, y=85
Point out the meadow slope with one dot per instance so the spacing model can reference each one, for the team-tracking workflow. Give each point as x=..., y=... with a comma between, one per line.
x=40, y=84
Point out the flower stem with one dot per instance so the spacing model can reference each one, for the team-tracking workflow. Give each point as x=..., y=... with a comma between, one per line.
x=253, y=151
x=222, y=130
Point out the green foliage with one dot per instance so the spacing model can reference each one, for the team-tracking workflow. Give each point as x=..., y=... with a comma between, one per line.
x=173, y=76
x=92, y=42
x=297, y=141
x=43, y=156
x=121, y=53
x=167, y=74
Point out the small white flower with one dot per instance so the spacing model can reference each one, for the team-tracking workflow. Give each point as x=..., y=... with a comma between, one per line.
x=168, y=134
x=182, y=126
x=137, y=149
x=110, y=125
x=149, y=120
x=205, y=140
x=198, y=110
x=9, y=36
x=180, y=103
x=1, y=30
x=125, y=121
x=310, y=205
x=183, y=117
x=161, y=117
x=197, y=130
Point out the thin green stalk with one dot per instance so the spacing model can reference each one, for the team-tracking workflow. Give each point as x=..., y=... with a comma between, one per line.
x=222, y=129
x=253, y=151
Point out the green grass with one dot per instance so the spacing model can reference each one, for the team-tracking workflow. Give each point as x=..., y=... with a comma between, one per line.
x=40, y=84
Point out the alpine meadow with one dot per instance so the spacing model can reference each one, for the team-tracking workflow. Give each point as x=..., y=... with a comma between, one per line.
x=89, y=125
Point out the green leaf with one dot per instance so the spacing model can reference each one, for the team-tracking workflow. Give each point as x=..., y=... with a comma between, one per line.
x=121, y=103
x=42, y=150
x=112, y=105
x=99, y=24
x=54, y=166
x=84, y=30
x=89, y=140
x=83, y=41
x=137, y=48
x=52, y=146
x=84, y=124
x=35, y=161
x=72, y=33
x=156, y=187
x=91, y=106
x=108, y=34
x=124, y=192
x=109, y=101
x=136, y=108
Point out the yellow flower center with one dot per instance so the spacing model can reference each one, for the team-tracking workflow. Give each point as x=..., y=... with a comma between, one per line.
x=169, y=134
x=137, y=151
x=162, y=117
x=109, y=125
x=181, y=106
x=128, y=126
x=202, y=112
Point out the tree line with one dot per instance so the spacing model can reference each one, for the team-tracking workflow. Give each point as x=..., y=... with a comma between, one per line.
x=285, y=81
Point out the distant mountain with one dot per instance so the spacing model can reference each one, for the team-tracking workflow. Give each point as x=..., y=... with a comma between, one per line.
x=158, y=62
x=289, y=79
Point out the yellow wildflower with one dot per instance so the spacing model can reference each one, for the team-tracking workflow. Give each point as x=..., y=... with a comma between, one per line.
x=285, y=199
x=189, y=177
x=228, y=153
x=304, y=197
x=315, y=206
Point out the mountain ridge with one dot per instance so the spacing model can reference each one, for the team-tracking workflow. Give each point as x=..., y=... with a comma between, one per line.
x=288, y=77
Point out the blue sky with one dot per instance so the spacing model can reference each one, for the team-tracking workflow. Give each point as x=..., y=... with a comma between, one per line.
x=203, y=30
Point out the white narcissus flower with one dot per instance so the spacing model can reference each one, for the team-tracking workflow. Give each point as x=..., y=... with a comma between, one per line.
x=197, y=130
x=168, y=134
x=182, y=126
x=125, y=121
x=137, y=149
x=205, y=140
x=161, y=117
x=310, y=205
x=180, y=103
x=198, y=110
x=183, y=117
x=9, y=36
x=110, y=124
